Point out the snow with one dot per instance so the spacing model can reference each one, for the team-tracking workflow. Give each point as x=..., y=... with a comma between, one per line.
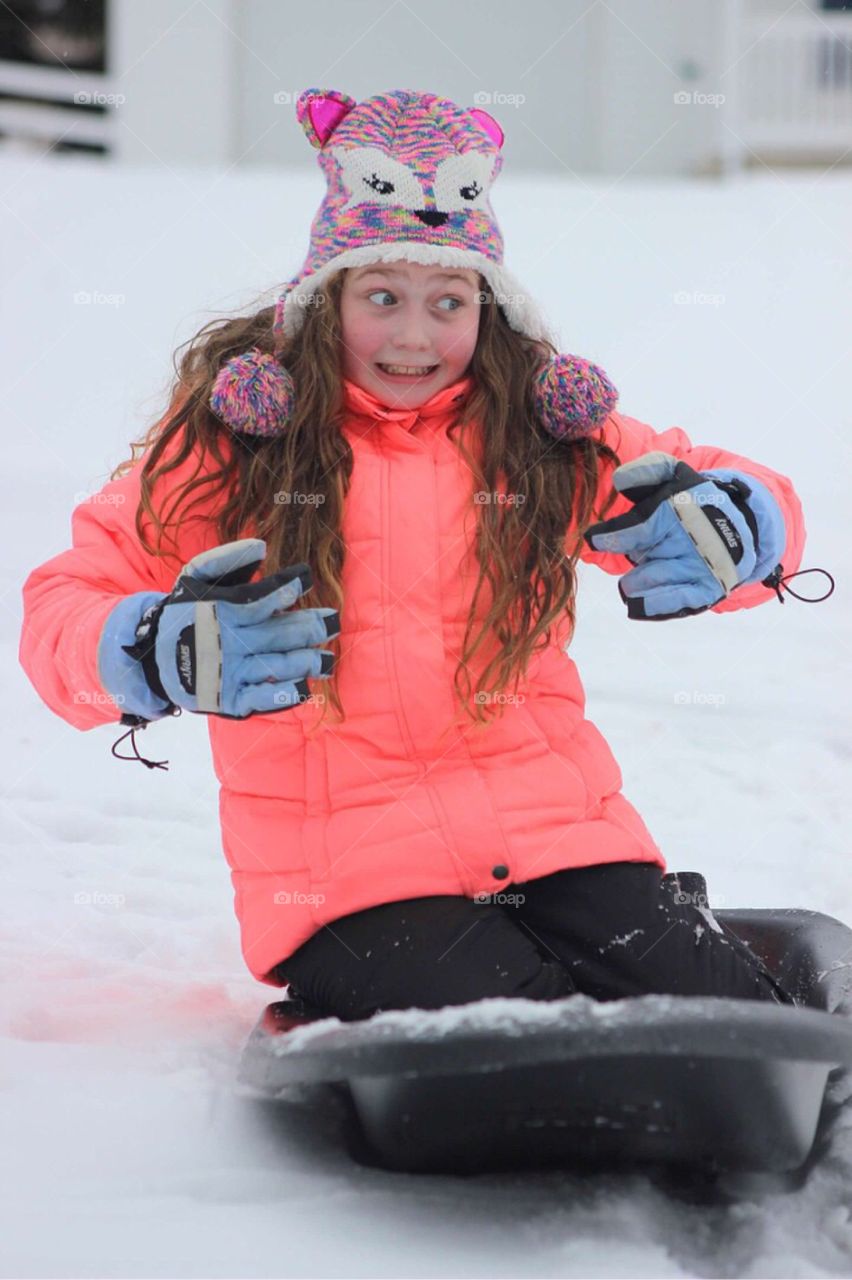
x=126, y=1001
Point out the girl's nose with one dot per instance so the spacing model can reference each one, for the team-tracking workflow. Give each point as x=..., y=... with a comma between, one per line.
x=411, y=335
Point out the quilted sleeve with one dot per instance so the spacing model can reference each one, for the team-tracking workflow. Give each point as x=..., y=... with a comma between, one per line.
x=67, y=600
x=631, y=438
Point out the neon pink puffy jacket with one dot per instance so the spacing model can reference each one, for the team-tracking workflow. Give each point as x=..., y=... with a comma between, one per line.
x=398, y=801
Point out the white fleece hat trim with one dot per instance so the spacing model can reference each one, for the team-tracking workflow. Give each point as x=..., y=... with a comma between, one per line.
x=521, y=312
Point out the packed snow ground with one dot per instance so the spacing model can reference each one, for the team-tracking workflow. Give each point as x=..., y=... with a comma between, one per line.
x=126, y=1001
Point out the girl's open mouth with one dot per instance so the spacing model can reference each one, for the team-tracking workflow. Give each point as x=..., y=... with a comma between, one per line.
x=406, y=372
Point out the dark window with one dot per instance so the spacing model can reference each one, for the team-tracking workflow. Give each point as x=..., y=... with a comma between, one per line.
x=54, y=33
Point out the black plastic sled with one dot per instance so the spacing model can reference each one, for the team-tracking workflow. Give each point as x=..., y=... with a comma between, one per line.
x=503, y=1083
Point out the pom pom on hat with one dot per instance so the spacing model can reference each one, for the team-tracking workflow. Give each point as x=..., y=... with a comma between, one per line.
x=573, y=397
x=254, y=394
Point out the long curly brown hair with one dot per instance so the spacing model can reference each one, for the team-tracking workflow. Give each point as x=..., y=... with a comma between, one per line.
x=526, y=547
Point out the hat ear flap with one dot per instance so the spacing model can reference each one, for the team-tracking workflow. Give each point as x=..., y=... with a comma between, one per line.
x=573, y=397
x=489, y=124
x=320, y=111
x=254, y=394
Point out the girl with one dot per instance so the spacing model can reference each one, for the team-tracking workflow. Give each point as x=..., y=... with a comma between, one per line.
x=400, y=448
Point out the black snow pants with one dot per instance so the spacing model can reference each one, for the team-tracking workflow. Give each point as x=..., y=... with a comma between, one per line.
x=608, y=931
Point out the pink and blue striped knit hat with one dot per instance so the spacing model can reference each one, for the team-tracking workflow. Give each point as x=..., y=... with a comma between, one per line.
x=409, y=176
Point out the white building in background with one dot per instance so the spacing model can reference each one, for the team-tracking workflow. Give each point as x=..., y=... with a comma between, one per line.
x=610, y=87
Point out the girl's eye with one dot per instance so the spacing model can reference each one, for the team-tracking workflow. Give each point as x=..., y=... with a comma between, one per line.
x=386, y=293
x=381, y=185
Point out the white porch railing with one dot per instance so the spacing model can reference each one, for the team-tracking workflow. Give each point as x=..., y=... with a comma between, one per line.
x=794, y=83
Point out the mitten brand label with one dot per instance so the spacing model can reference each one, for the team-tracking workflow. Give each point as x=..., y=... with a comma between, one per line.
x=186, y=659
x=730, y=535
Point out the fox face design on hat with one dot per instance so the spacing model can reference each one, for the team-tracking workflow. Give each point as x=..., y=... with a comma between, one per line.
x=408, y=176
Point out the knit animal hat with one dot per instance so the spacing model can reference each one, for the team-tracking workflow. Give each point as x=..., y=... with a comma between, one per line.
x=408, y=176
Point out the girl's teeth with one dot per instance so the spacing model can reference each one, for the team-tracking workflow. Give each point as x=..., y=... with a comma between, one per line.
x=407, y=369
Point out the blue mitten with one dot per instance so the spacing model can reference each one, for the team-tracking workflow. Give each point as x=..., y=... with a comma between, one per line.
x=217, y=643
x=694, y=536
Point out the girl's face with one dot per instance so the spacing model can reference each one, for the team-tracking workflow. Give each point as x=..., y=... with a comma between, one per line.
x=398, y=316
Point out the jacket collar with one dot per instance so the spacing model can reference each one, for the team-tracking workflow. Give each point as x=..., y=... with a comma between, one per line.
x=363, y=403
